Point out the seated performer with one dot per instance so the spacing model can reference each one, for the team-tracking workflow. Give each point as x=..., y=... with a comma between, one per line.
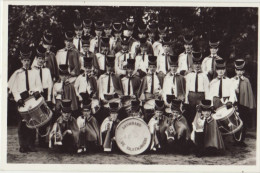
x=209, y=63
x=136, y=109
x=109, y=84
x=185, y=58
x=158, y=125
x=108, y=127
x=197, y=87
x=64, y=89
x=245, y=98
x=65, y=131
x=122, y=57
x=86, y=82
x=89, y=136
x=174, y=83
x=221, y=90
x=23, y=83
x=150, y=87
x=178, y=131
x=206, y=134
x=69, y=55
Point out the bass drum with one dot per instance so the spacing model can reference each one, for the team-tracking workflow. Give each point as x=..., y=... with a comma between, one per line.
x=133, y=136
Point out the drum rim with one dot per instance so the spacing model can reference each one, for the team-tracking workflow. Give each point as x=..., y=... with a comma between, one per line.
x=42, y=124
x=31, y=110
x=236, y=130
x=228, y=115
x=136, y=118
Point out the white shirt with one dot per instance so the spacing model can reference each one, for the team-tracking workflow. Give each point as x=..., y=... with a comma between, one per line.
x=101, y=61
x=157, y=48
x=46, y=80
x=235, y=81
x=94, y=44
x=227, y=89
x=19, y=83
x=206, y=64
x=76, y=43
x=169, y=88
x=82, y=85
x=140, y=64
x=103, y=85
x=203, y=84
x=121, y=62
x=182, y=62
x=156, y=86
x=61, y=57
x=161, y=63
x=125, y=81
x=57, y=87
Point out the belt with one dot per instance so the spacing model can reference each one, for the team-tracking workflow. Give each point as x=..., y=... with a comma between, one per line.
x=196, y=92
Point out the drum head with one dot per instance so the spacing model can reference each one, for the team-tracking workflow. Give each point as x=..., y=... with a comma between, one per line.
x=133, y=136
x=223, y=112
x=30, y=103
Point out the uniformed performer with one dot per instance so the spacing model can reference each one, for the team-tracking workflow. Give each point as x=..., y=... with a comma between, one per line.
x=107, y=25
x=117, y=32
x=142, y=33
x=69, y=55
x=87, y=24
x=245, y=98
x=185, y=58
x=122, y=57
x=78, y=28
x=128, y=31
x=157, y=45
x=109, y=83
x=95, y=43
x=135, y=110
x=174, y=83
x=64, y=89
x=65, y=131
x=150, y=87
x=197, y=86
x=206, y=134
x=141, y=65
x=208, y=63
x=152, y=28
x=130, y=82
x=89, y=135
x=23, y=83
x=221, y=90
x=86, y=82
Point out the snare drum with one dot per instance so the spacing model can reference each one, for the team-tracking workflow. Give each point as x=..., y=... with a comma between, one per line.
x=36, y=113
x=133, y=136
x=228, y=120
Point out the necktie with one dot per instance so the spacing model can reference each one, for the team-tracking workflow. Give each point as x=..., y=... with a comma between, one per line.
x=166, y=63
x=63, y=87
x=98, y=44
x=213, y=63
x=79, y=44
x=108, y=84
x=41, y=73
x=129, y=85
x=220, y=88
x=87, y=80
x=196, y=83
x=105, y=67
x=67, y=57
x=143, y=56
x=124, y=56
x=27, y=80
x=173, y=80
x=152, y=85
x=239, y=84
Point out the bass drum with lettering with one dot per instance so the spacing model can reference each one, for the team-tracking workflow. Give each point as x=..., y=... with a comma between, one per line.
x=133, y=136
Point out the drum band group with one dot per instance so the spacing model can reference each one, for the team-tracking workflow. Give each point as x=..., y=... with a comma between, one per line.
x=113, y=91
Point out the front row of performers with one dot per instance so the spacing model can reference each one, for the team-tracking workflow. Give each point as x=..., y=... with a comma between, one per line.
x=182, y=111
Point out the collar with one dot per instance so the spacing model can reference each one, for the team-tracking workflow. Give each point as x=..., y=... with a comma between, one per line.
x=26, y=69
x=241, y=77
x=212, y=56
x=163, y=54
x=224, y=77
x=175, y=74
x=124, y=51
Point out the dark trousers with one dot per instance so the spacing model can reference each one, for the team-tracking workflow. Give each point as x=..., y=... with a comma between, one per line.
x=244, y=114
x=26, y=136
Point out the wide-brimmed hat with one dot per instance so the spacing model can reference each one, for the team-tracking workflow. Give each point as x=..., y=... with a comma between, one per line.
x=135, y=105
x=152, y=60
x=69, y=35
x=86, y=101
x=188, y=39
x=113, y=106
x=214, y=40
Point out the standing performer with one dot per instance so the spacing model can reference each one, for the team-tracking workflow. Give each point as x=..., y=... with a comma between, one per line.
x=64, y=89
x=197, y=86
x=108, y=128
x=141, y=64
x=87, y=23
x=157, y=45
x=95, y=43
x=65, y=131
x=116, y=44
x=109, y=83
x=128, y=32
x=102, y=55
x=221, y=90
x=174, y=83
x=151, y=32
x=245, y=97
x=23, y=83
x=89, y=136
x=122, y=57
x=130, y=82
x=185, y=58
x=86, y=82
x=78, y=31
x=69, y=55
x=209, y=63
x=107, y=25
x=150, y=88
x=206, y=134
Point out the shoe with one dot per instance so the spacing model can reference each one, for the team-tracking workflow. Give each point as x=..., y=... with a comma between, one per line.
x=32, y=149
x=23, y=150
x=79, y=151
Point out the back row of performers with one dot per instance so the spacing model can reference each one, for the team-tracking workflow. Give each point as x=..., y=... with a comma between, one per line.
x=139, y=70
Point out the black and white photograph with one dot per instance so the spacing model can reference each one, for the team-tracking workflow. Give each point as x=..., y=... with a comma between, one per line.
x=130, y=84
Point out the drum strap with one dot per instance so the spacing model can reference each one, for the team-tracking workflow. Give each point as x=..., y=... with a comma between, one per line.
x=27, y=80
x=108, y=83
x=79, y=44
x=152, y=85
x=220, y=89
x=196, y=83
x=166, y=62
